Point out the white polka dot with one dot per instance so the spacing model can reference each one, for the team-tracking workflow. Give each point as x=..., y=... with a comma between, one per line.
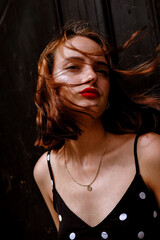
x=72, y=236
x=60, y=218
x=104, y=235
x=142, y=195
x=141, y=235
x=155, y=214
x=123, y=217
x=52, y=182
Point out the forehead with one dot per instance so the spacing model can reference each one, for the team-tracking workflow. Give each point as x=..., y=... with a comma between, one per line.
x=78, y=46
x=84, y=44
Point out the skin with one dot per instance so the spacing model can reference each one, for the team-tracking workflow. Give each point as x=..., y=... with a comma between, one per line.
x=82, y=156
x=73, y=67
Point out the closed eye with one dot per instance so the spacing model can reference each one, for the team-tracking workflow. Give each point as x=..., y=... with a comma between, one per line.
x=102, y=71
x=72, y=67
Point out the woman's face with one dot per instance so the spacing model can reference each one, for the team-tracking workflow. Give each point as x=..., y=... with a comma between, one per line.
x=89, y=73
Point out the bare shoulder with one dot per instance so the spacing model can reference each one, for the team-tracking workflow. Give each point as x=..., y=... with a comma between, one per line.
x=40, y=169
x=149, y=161
x=149, y=146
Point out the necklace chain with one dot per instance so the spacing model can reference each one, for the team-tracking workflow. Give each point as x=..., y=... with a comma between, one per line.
x=88, y=186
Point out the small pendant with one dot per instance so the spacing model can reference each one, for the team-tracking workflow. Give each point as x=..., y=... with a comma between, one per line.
x=89, y=188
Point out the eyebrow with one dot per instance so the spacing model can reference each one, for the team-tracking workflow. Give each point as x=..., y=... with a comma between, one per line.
x=100, y=63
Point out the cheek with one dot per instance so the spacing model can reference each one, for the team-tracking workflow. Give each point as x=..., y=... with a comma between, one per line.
x=61, y=78
x=66, y=78
x=105, y=87
x=67, y=91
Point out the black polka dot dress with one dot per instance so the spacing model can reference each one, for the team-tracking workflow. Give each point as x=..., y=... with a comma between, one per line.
x=136, y=216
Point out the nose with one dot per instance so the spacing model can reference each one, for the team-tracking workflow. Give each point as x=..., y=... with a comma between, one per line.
x=90, y=75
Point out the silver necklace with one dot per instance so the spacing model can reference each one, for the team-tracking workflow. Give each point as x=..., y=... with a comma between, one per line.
x=88, y=186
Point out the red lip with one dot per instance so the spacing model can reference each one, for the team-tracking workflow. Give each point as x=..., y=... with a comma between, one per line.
x=90, y=93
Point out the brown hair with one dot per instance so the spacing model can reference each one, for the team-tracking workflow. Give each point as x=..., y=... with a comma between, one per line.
x=57, y=122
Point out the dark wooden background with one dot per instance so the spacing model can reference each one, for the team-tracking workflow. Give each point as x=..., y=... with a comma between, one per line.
x=25, y=29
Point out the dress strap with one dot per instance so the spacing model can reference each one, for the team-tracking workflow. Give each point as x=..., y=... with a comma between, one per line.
x=50, y=168
x=135, y=154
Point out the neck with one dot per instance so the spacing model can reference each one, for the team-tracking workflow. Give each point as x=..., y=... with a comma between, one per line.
x=91, y=142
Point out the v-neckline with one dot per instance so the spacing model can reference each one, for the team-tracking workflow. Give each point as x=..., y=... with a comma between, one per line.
x=108, y=215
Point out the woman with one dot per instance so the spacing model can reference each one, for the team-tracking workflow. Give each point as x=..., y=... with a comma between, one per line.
x=103, y=162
